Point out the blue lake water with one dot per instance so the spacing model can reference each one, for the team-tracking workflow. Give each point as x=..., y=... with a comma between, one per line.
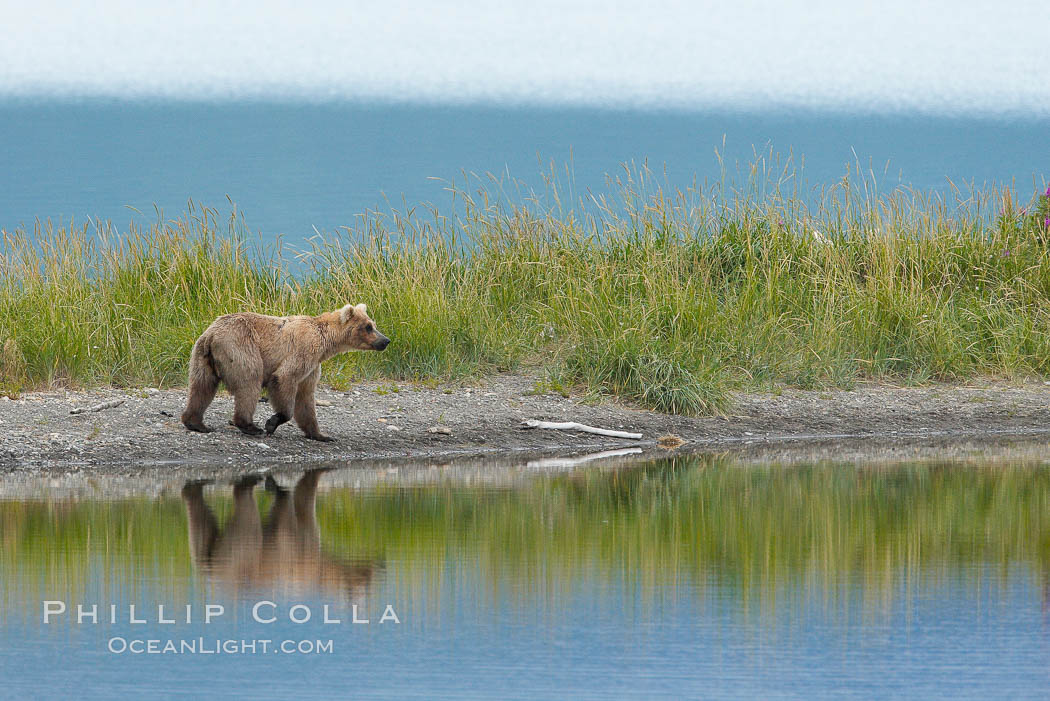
x=291, y=167
x=684, y=578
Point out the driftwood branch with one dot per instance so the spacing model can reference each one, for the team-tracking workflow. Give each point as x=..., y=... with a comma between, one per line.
x=98, y=407
x=573, y=426
x=549, y=463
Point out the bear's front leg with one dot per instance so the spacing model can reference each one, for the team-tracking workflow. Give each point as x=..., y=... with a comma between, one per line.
x=305, y=408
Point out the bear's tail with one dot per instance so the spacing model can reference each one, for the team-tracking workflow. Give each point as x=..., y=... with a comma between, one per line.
x=204, y=381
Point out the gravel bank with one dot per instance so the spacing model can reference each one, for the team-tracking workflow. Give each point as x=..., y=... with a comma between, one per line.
x=385, y=421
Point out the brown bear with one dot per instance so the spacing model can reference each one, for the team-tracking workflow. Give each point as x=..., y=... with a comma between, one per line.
x=247, y=351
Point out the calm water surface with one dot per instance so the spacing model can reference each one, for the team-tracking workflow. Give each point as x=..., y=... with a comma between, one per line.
x=686, y=578
x=292, y=167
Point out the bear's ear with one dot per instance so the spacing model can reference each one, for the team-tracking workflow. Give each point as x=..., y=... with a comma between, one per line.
x=346, y=313
x=362, y=309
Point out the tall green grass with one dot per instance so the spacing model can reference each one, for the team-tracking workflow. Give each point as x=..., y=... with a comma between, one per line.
x=670, y=298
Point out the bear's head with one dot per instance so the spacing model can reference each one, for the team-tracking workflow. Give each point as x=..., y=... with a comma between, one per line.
x=358, y=331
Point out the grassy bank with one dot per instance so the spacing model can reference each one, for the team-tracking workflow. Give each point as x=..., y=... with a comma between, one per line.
x=669, y=298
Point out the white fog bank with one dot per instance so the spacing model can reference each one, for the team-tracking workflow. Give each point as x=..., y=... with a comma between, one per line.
x=940, y=57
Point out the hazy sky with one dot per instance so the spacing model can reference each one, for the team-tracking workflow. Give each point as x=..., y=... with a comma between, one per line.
x=936, y=56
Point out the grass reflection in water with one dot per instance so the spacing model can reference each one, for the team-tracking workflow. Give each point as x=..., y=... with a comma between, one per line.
x=699, y=522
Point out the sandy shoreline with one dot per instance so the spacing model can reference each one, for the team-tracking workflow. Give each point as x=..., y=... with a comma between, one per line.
x=382, y=421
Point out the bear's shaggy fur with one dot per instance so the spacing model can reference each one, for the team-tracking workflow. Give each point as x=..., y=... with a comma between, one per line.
x=247, y=351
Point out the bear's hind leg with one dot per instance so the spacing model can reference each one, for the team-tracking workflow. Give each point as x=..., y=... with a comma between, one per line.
x=203, y=385
x=239, y=362
x=245, y=397
x=282, y=399
x=203, y=528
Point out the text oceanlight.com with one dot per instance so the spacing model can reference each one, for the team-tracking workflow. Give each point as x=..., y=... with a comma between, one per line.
x=262, y=612
x=215, y=646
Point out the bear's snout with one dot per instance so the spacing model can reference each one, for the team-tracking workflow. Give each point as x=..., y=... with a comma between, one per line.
x=381, y=342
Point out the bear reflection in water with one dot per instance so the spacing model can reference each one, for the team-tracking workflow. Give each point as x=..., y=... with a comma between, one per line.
x=283, y=555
